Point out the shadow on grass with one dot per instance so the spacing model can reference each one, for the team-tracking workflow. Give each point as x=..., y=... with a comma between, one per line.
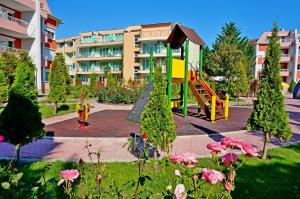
x=63, y=107
x=277, y=177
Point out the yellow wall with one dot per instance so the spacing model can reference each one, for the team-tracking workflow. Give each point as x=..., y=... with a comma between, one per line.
x=177, y=68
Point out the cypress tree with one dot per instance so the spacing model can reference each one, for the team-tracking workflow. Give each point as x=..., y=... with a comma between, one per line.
x=4, y=87
x=24, y=82
x=157, y=117
x=58, y=81
x=269, y=115
x=21, y=121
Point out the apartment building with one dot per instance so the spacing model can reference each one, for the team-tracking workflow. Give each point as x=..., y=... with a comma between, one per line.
x=125, y=51
x=30, y=25
x=290, y=56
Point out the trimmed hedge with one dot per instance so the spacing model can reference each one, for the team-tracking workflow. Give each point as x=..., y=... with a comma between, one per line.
x=118, y=95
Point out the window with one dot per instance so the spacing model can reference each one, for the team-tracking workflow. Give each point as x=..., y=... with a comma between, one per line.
x=47, y=74
x=298, y=67
x=145, y=64
x=157, y=48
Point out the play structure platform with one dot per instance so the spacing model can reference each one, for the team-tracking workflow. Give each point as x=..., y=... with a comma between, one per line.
x=190, y=75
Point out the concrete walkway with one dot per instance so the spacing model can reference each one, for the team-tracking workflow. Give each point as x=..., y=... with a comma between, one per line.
x=112, y=149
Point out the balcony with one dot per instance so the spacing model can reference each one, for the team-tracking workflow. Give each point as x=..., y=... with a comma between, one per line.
x=20, y=5
x=285, y=58
x=160, y=54
x=9, y=49
x=15, y=27
x=95, y=56
x=98, y=42
x=284, y=72
x=285, y=43
x=154, y=35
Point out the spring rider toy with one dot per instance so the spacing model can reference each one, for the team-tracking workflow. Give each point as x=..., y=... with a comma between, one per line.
x=82, y=110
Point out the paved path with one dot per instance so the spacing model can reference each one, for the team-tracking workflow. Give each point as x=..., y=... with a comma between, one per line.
x=97, y=107
x=112, y=148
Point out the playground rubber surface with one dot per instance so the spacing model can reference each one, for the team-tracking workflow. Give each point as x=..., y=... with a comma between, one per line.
x=114, y=123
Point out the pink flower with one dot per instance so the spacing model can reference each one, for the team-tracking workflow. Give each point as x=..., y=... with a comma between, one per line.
x=1, y=138
x=249, y=150
x=180, y=192
x=212, y=176
x=216, y=147
x=231, y=176
x=228, y=186
x=231, y=142
x=229, y=158
x=68, y=175
x=188, y=159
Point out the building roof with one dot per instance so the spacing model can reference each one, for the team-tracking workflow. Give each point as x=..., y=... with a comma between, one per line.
x=180, y=34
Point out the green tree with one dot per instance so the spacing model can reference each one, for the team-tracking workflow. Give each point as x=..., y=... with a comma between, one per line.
x=269, y=115
x=157, y=117
x=24, y=82
x=292, y=86
x=231, y=61
x=58, y=87
x=8, y=64
x=93, y=84
x=231, y=35
x=21, y=121
x=4, y=87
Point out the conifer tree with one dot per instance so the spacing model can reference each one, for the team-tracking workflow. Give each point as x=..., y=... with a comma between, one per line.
x=4, y=87
x=58, y=87
x=24, y=82
x=157, y=117
x=269, y=115
x=21, y=121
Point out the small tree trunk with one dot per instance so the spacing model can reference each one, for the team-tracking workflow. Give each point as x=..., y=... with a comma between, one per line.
x=266, y=139
x=18, y=154
x=55, y=108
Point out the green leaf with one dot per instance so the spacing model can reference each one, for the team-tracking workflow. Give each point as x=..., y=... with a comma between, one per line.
x=16, y=178
x=5, y=185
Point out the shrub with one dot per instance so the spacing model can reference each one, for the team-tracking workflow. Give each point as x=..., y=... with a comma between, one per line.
x=292, y=86
x=118, y=95
x=157, y=117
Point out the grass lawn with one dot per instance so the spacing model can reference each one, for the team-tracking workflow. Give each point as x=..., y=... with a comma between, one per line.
x=277, y=177
x=47, y=110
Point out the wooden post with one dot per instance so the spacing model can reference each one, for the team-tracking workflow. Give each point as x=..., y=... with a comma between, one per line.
x=213, y=109
x=226, y=110
x=185, y=87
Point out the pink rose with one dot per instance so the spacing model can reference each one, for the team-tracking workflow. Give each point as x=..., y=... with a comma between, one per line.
x=188, y=159
x=231, y=142
x=228, y=186
x=1, y=138
x=180, y=192
x=212, y=176
x=216, y=147
x=231, y=176
x=249, y=150
x=229, y=158
x=68, y=175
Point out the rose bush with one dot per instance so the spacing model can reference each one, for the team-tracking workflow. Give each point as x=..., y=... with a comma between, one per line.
x=187, y=169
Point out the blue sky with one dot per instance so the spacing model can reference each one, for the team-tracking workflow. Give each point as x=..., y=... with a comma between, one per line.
x=206, y=17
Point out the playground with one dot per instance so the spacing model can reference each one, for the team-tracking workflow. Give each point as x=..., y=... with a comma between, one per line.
x=114, y=123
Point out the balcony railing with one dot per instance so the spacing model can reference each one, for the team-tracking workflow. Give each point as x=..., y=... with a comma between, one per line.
x=285, y=55
x=90, y=55
x=9, y=49
x=156, y=33
x=285, y=40
x=21, y=22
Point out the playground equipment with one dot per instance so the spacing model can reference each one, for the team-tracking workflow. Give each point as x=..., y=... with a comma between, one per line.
x=180, y=71
x=296, y=93
x=82, y=110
